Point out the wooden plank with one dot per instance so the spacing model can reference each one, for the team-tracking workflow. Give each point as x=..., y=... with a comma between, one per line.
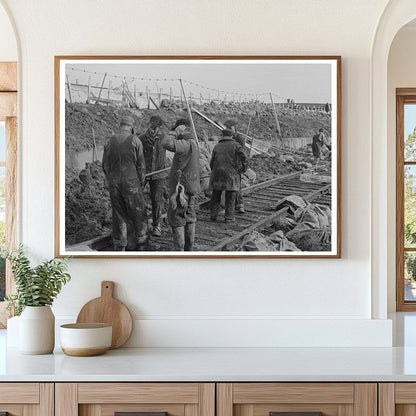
x=270, y=182
x=207, y=399
x=365, y=399
x=248, y=230
x=191, y=410
x=24, y=393
x=31, y=410
x=8, y=76
x=224, y=399
x=47, y=399
x=405, y=410
x=138, y=393
x=8, y=105
x=340, y=393
x=66, y=399
x=386, y=399
x=405, y=393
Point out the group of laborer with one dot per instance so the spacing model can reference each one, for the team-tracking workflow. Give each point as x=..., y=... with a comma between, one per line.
x=130, y=161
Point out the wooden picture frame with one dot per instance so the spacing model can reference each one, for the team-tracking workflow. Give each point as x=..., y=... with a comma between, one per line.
x=288, y=113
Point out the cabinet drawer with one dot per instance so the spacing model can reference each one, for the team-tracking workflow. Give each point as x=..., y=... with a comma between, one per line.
x=21, y=399
x=147, y=399
x=296, y=399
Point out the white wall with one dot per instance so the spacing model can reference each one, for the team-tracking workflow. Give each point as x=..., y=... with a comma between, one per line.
x=8, y=47
x=197, y=302
x=401, y=74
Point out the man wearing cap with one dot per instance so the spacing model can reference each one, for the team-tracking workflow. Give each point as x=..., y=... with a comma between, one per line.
x=155, y=159
x=232, y=125
x=183, y=184
x=227, y=163
x=124, y=168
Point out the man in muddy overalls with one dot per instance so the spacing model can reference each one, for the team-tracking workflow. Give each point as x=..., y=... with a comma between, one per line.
x=232, y=126
x=183, y=184
x=227, y=163
x=124, y=168
x=155, y=158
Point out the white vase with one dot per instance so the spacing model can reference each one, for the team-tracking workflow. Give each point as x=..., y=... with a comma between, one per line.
x=37, y=330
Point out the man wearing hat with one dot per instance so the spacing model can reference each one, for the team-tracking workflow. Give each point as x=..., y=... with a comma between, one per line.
x=232, y=125
x=124, y=168
x=227, y=163
x=183, y=184
x=155, y=159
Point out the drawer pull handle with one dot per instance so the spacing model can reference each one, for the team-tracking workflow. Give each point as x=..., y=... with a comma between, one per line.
x=295, y=413
x=140, y=414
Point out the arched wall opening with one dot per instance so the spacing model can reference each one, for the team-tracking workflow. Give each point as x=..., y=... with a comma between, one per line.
x=396, y=15
x=8, y=44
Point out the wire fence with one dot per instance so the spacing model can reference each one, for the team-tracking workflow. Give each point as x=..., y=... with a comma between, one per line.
x=149, y=93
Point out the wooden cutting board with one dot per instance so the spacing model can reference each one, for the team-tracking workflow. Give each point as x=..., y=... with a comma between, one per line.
x=107, y=309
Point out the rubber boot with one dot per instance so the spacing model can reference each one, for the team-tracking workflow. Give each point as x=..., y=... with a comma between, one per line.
x=178, y=238
x=189, y=236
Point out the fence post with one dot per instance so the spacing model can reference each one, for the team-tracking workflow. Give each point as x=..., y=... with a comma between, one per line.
x=89, y=89
x=109, y=92
x=190, y=114
x=275, y=116
x=147, y=95
x=101, y=89
x=200, y=98
x=69, y=88
x=123, y=92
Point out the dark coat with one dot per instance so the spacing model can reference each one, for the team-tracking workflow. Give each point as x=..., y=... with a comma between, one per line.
x=154, y=153
x=185, y=160
x=228, y=161
x=124, y=161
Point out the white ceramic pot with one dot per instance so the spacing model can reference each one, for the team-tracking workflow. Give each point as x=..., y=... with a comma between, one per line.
x=37, y=330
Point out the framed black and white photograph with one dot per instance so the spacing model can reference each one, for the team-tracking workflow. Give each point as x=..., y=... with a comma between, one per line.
x=198, y=156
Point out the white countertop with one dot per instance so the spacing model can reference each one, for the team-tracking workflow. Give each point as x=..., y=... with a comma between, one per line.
x=215, y=364
x=222, y=364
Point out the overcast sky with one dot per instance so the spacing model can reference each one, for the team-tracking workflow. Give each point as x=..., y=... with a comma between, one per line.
x=304, y=82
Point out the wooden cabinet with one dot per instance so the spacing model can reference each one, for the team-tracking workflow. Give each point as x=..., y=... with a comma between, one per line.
x=397, y=399
x=27, y=399
x=264, y=399
x=106, y=399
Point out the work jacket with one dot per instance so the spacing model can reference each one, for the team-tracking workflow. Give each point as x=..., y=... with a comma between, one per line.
x=154, y=153
x=123, y=161
x=228, y=161
x=185, y=161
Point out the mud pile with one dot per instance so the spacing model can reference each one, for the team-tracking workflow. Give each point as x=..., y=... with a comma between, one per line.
x=88, y=207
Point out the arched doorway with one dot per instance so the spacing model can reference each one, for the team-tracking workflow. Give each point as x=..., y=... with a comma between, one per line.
x=396, y=15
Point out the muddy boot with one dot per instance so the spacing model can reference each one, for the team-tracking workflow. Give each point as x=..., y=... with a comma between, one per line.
x=178, y=238
x=189, y=236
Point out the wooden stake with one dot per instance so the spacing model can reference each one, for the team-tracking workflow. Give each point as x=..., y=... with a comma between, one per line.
x=69, y=88
x=89, y=89
x=102, y=84
x=109, y=91
x=148, y=96
x=123, y=92
x=190, y=113
x=275, y=116
x=94, y=146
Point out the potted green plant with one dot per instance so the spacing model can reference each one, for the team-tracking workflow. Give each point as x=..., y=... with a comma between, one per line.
x=36, y=289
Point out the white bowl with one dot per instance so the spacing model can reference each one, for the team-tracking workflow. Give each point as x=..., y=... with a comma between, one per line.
x=83, y=340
